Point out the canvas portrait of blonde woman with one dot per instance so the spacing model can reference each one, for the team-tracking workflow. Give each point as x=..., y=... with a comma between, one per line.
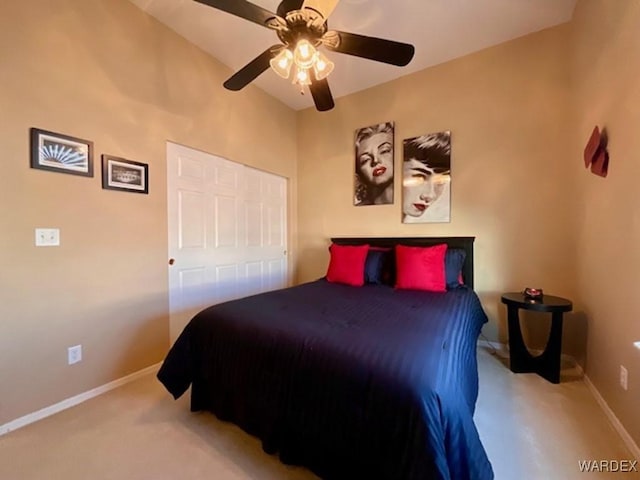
x=374, y=165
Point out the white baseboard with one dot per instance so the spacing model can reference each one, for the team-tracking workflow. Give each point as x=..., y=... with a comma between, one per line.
x=629, y=442
x=73, y=401
x=503, y=350
x=499, y=348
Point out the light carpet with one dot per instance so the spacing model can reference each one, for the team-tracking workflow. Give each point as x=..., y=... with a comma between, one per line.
x=531, y=429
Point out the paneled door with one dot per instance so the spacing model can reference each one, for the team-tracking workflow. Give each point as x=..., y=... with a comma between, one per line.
x=227, y=232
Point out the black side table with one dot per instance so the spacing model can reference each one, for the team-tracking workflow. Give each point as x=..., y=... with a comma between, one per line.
x=547, y=364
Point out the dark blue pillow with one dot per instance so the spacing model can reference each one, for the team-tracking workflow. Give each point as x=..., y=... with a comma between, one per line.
x=374, y=266
x=453, y=261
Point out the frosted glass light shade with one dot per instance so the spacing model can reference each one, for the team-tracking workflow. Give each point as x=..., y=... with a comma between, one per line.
x=322, y=67
x=304, y=54
x=302, y=77
x=282, y=63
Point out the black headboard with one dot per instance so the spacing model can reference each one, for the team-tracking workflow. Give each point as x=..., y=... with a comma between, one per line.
x=463, y=243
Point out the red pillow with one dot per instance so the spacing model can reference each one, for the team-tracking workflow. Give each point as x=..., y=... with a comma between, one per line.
x=347, y=264
x=421, y=268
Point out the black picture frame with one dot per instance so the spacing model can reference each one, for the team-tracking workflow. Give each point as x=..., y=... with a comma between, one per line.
x=124, y=175
x=57, y=152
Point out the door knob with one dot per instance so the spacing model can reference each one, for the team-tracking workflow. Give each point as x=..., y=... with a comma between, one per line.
x=172, y=261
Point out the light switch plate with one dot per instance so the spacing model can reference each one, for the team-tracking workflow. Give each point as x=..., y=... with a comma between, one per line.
x=47, y=237
x=74, y=354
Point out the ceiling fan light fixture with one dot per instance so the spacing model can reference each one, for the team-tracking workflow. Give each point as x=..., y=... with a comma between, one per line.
x=322, y=67
x=304, y=54
x=282, y=63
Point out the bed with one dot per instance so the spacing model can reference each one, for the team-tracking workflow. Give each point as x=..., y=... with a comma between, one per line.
x=351, y=382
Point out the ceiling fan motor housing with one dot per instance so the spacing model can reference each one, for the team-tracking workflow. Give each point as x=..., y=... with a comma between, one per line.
x=303, y=24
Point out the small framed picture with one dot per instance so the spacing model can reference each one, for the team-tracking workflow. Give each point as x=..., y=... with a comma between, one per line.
x=61, y=153
x=121, y=174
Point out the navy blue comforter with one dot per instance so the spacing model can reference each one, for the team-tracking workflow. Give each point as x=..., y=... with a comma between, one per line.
x=367, y=382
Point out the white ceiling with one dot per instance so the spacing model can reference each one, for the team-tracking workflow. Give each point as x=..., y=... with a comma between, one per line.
x=439, y=29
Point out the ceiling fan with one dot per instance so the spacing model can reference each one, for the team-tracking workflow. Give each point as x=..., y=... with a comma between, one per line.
x=301, y=26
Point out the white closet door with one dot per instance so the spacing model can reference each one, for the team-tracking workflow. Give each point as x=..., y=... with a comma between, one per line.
x=227, y=232
x=266, y=231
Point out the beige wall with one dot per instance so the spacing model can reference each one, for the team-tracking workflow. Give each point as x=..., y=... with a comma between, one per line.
x=104, y=71
x=606, y=81
x=511, y=185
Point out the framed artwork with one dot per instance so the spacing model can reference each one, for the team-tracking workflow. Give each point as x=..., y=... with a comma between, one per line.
x=426, y=179
x=126, y=175
x=61, y=153
x=374, y=165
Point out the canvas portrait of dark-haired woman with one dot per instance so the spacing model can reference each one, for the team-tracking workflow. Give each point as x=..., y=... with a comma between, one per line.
x=426, y=178
x=374, y=165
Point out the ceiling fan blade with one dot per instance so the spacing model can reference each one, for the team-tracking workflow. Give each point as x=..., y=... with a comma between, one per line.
x=287, y=6
x=251, y=70
x=242, y=9
x=325, y=7
x=321, y=94
x=378, y=49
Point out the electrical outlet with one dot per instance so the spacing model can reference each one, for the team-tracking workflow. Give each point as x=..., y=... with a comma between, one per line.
x=74, y=354
x=623, y=377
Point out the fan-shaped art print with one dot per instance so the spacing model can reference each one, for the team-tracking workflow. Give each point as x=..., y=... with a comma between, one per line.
x=61, y=153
